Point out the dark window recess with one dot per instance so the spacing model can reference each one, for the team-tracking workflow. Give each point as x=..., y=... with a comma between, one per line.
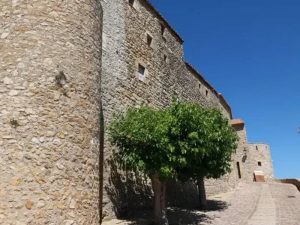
x=256, y=147
x=199, y=86
x=165, y=58
x=259, y=163
x=239, y=170
x=149, y=40
x=141, y=70
x=131, y=2
x=206, y=92
x=162, y=29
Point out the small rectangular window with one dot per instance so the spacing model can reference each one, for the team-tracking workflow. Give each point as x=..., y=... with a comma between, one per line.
x=131, y=3
x=141, y=70
x=162, y=29
x=206, y=92
x=259, y=163
x=200, y=86
x=256, y=147
x=165, y=58
x=149, y=40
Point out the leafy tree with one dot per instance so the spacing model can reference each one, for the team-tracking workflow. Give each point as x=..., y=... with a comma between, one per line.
x=183, y=141
x=142, y=136
x=206, y=140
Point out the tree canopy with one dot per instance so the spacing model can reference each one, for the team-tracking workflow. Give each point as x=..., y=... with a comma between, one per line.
x=183, y=141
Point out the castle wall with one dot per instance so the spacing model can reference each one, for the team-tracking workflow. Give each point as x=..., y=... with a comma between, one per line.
x=50, y=75
x=250, y=155
x=126, y=48
x=259, y=159
x=49, y=129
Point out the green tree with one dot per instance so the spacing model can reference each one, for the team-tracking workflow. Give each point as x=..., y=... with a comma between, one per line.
x=173, y=143
x=207, y=141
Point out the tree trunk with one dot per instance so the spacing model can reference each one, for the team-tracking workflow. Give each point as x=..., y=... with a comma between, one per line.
x=202, y=193
x=159, y=189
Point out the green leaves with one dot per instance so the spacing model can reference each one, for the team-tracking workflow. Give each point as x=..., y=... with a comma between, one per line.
x=182, y=141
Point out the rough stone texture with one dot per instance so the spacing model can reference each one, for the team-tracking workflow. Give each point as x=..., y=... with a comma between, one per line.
x=49, y=128
x=167, y=75
x=249, y=155
x=259, y=153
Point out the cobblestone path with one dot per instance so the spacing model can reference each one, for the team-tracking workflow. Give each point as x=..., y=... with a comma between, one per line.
x=265, y=210
x=249, y=204
x=260, y=204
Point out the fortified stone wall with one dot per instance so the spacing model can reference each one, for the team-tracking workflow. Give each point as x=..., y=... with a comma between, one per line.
x=50, y=93
x=143, y=65
x=251, y=157
x=114, y=72
x=259, y=159
x=50, y=65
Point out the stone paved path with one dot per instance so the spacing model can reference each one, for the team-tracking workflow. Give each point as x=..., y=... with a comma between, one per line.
x=265, y=210
x=260, y=204
x=249, y=204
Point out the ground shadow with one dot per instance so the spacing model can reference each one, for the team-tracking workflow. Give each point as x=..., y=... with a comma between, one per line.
x=179, y=216
x=216, y=205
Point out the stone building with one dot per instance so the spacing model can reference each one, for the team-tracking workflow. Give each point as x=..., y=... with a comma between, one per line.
x=251, y=157
x=52, y=167
x=50, y=67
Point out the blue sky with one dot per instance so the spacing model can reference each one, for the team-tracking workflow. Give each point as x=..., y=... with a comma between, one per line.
x=249, y=50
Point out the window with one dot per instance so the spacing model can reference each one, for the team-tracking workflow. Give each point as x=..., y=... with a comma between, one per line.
x=200, y=86
x=149, y=40
x=141, y=70
x=131, y=3
x=162, y=30
x=256, y=147
x=165, y=58
x=206, y=92
x=259, y=163
x=239, y=170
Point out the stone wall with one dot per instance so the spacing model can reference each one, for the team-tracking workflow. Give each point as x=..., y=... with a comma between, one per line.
x=259, y=159
x=251, y=157
x=49, y=138
x=50, y=65
x=126, y=47
x=295, y=182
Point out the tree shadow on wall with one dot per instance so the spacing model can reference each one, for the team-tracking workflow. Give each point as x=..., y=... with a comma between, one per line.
x=128, y=191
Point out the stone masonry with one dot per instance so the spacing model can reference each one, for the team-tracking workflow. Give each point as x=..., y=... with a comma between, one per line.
x=251, y=157
x=143, y=63
x=50, y=66
x=58, y=61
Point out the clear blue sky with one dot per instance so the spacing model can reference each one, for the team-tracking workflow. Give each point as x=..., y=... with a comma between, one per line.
x=249, y=50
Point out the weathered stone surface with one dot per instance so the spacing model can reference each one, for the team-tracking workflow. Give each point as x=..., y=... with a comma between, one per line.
x=29, y=205
x=167, y=75
x=54, y=151
x=38, y=40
